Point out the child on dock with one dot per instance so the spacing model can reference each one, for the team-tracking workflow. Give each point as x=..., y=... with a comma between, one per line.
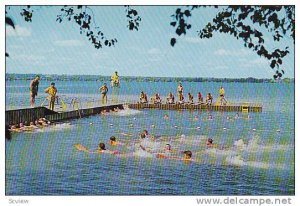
x=52, y=95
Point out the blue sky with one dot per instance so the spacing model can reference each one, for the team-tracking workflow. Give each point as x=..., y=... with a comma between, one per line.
x=48, y=47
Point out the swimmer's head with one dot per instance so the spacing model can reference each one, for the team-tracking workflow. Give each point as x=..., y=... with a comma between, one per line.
x=101, y=146
x=168, y=147
x=143, y=135
x=112, y=138
x=37, y=77
x=210, y=140
x=145, y=132
x=52, y=84
x=187, y=155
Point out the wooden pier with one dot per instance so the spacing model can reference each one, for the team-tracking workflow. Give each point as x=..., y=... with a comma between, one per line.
x=239, y=107
x=31, y=114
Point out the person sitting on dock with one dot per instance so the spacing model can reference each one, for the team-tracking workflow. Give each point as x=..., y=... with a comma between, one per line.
x=181, y=101
x=143, y=97
x=209, y=99
x=52, y=95
x=104, y=90
x=191, y=98
x=200, y=98
x=157, y=99
x=170, y=98
x=180, y=92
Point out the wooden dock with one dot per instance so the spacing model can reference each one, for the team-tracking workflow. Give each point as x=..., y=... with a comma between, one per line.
x=31, y=114
x=239, y=107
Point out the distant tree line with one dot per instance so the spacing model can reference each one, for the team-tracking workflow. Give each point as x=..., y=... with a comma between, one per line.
x=13, y=77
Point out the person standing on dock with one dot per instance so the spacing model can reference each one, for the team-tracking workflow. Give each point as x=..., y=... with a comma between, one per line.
x=115, y=84
x=34, y=87
x=52, y=95
x=222, y=96
x=104, y=90
x=180, y=92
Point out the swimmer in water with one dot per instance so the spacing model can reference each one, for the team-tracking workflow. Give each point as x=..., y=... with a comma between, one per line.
x=210, y=117
x=14, y=128
x=236, y=116
x=116, y=109
x=187, y=155
x=113, y=141
x=166, y=153
x=209, y=143
x=104, y=112
x=101, y=149
x=166, y=117
x=33, y=126
x=144, y=140
x=147, y=133
x=25, y=126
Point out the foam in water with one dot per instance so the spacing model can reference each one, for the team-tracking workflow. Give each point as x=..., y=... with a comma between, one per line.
x=239, y=161
x=127, y=112
x=56, y=127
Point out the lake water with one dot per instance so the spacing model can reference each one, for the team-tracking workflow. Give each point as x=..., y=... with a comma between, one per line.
x=257, y=157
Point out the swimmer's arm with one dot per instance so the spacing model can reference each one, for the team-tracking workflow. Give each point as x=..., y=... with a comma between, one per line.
x=143, y=148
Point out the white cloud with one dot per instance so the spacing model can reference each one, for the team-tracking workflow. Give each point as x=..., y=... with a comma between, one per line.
x=154, y=51
x=68, y=43
x=239, y=52
x=18, y=31
x=194, y=40
x=259, y=61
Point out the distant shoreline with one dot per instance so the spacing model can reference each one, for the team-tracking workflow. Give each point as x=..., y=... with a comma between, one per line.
x=55, y=77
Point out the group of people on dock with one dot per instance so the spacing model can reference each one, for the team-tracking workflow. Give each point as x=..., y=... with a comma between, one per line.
x=170, y=99
x=52, y=90
x=115, y=83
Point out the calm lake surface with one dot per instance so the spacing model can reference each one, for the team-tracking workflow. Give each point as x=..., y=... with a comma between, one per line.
x=256, y=155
